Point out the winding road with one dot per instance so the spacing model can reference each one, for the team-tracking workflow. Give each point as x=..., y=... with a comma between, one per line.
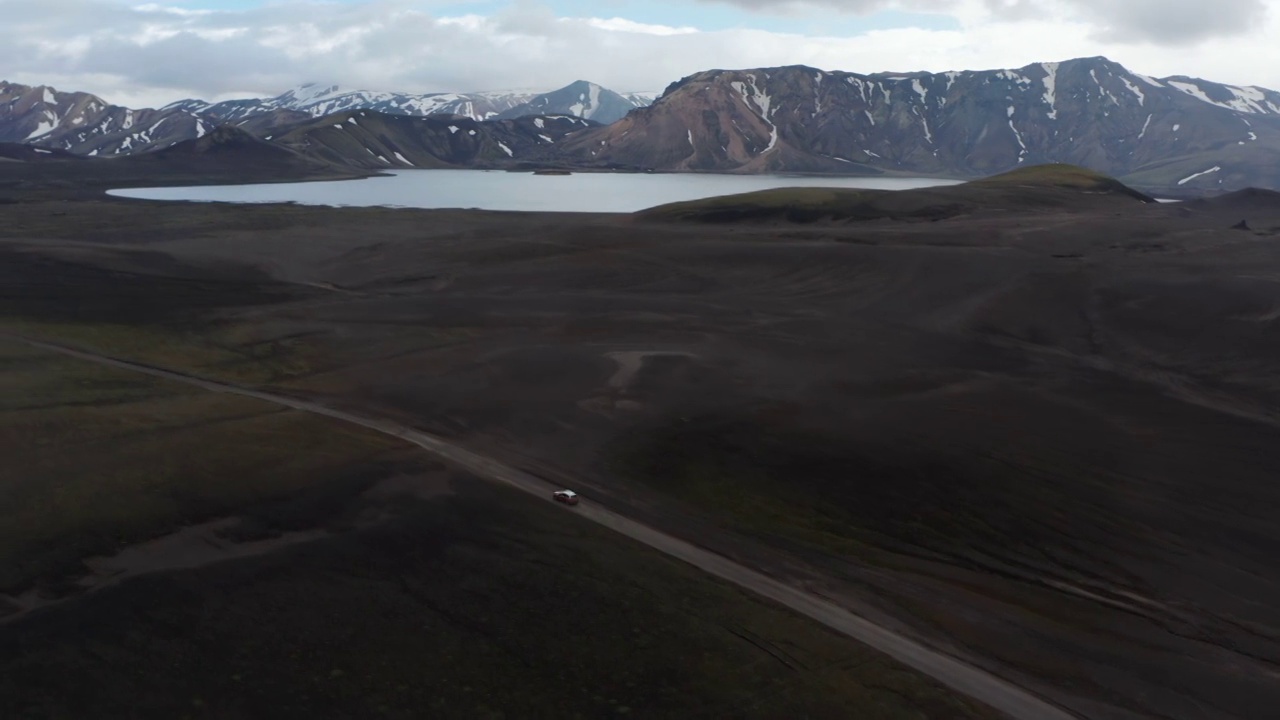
x=955, y=674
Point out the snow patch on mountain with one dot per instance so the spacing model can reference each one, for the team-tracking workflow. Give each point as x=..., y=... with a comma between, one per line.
x=862, y=88
x=1014, y=76
x=45, y=127
x=1051, y=88
x=759, y=102
x=641, y=99
x=920, y=90
x=1189, y=178
x=1103, y=92
x=1022, y=153
x=593, y=100
x=1137, y=91
x=1193, y=90
x=1247, y=100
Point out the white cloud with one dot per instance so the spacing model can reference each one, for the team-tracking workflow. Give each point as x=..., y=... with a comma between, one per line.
x=857, y=7
x=152, y=54
x=624, y=25
x=1176, y=22
x=1160, y=22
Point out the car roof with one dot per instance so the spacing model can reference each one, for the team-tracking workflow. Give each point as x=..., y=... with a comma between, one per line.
x=570, y=493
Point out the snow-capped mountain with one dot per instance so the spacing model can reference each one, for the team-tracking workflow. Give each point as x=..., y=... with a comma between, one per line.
x=1177, y=131
x=320, y=100
x=87, y=125
x=581, y=99
x=29, y=113
x=641, y=99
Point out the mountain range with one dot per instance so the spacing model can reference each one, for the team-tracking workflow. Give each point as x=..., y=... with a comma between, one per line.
x=1175, y=133
x=314, y=100
x=580, y=99
x=87, y=125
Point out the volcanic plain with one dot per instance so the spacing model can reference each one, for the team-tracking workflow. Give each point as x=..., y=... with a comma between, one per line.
x=1032, y=422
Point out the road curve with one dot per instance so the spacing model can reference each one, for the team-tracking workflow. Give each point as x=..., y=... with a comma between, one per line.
x=959, y=676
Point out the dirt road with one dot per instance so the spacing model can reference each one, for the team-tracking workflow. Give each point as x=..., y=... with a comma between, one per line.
x=964, y=678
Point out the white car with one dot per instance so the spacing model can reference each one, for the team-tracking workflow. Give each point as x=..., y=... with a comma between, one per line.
x=568, y=497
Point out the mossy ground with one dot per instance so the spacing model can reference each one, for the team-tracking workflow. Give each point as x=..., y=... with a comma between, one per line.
x=96, y=458
x=476, y=606
x=481, y=604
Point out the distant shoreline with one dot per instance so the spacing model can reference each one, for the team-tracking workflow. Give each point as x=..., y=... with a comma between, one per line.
x=106, y=179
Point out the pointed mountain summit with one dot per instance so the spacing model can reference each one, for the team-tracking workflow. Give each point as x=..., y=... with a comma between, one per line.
x=581, y=99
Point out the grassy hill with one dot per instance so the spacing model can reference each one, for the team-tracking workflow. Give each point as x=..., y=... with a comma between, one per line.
x=1052, y=186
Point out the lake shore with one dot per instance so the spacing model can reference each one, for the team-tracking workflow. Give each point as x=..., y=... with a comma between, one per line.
x=517, y=192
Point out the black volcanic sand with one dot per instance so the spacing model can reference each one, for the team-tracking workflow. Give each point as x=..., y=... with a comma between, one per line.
x=1043, y=437
x=475, y=604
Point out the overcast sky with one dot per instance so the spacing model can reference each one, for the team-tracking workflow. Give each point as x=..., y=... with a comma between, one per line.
x=152, y=53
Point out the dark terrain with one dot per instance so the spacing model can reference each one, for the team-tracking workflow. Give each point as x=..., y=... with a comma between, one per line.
x=223, y=156
x=1031, y=421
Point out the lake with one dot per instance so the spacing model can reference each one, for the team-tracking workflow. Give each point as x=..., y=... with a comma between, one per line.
x=498, y=190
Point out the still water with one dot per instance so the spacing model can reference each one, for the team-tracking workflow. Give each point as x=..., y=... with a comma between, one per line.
x=496, y=190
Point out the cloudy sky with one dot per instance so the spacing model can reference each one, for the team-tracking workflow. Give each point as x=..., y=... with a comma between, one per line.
x=157, y=51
